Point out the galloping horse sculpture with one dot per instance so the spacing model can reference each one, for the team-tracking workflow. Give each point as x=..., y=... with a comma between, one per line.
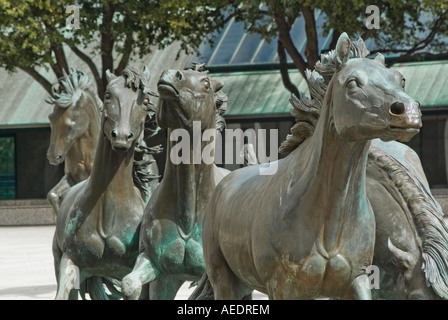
x=308, y=231
x=75, y=127
x=97, y=230
x=171, y=243
x=411, y=242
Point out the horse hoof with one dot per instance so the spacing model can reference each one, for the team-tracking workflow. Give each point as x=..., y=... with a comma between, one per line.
x=131, y=288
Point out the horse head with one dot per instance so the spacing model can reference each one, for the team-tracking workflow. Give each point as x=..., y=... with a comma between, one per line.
x=187, y=96
x=70, y=118
x=369, y=99
x=126, y=105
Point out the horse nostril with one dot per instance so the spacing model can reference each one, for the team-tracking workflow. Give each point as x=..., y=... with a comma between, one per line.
x=179, y=75
x=58, y=158
x=130, y=136
x=113, y=134
x=397, y=108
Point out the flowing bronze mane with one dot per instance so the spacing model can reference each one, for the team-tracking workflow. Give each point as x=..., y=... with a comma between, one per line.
x=426, y=214
x=427, y=219
x=66, y=92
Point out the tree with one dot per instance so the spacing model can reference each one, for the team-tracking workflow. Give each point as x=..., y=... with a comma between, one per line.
x=34, y=34
x=407, y=28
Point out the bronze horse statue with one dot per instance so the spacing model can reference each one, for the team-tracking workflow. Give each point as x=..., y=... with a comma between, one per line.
x=97, y=230
x=308, y=231
x=171, y=243
x=411, y=247
x=75, y=127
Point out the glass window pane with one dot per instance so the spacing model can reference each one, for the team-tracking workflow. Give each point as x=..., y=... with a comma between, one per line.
x=7, y=168
x=247, y=49
x=267, y=52
x=228, y=45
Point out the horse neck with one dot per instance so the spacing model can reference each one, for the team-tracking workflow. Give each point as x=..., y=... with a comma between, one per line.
x=338, y=167
x=192, y=183
x=80, y=156
x=112, y=171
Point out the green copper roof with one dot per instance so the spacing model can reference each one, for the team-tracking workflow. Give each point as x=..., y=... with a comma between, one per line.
x=251, y=93
x=256, y=93
x=427, y=82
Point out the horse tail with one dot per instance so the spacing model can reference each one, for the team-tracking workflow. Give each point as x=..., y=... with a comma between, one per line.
x=427, y=217
x=204, y=290
x=95, y=287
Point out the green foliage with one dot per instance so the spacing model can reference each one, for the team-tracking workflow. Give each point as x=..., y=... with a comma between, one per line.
x=33, y=33
x=403, y=23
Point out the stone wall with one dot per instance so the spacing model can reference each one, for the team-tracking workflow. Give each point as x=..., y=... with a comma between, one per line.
x=39, y=212
x=26, y=212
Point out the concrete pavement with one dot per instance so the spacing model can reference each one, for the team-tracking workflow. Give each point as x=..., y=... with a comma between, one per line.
x=26, y=265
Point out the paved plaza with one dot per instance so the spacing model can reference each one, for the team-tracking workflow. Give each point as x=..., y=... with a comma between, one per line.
x=26, y=265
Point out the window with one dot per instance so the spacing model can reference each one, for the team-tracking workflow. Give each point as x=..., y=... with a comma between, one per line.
x=7, y=168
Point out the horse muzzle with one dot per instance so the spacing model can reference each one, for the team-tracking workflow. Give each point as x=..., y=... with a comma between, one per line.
x=55, y=160
x=121, y=142
x=405, y=119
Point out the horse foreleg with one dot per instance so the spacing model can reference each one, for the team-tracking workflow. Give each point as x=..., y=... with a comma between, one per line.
x=359, y=289
x=54, y=196
x=143, y=272
x=68, y=278
x=164, y=288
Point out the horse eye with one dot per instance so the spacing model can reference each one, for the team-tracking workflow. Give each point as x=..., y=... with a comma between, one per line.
x=106, y=95
x=146, y=101
x=403, y=83
x=352, y=84
x=206, y=84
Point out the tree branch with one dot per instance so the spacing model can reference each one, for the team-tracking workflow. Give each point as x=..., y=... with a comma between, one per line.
x=418, y=46
x=107, y=41
x=285, y=38
x=126, y=54
x=284, y=70
x=39, y=78
x=84, y=57
x=61, y=60
x=312, y=49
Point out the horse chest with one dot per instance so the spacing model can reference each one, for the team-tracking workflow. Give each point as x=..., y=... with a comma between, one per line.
x=110, y=231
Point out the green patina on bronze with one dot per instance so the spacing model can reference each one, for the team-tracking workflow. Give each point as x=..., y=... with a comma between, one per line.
x=98, y=223
x=75, y=128
x=308, y=231
x=171, y=243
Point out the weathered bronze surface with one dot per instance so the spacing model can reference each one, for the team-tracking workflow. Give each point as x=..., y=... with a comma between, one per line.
x=411, y=244
x=411, y=241
x=75, y=127
x=308, y=231
x=97, y=230
x=171, y=232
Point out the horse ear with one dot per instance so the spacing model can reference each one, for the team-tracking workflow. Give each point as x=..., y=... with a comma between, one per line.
x=402, y=259
x=110, y=76
x=342, y=50
x=146, y=73
x=216, y=85
x=380, y=58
